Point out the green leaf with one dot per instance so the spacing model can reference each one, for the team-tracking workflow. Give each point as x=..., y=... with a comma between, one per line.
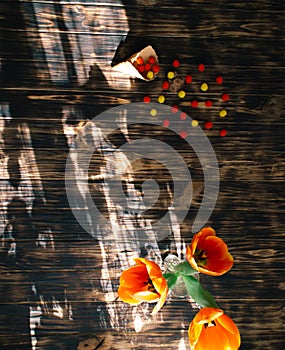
x=198, y=293
x=171, y=279
x=185, y=268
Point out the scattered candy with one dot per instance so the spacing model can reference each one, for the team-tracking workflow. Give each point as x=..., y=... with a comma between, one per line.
x=153, y=112
x=194, y=103
x=165, y=85
x=181, y=94
x=176, y=63
x=219, y=80
x=223, y=113
x=201, y=67
x=170, y=75
x=183, y=115
x=161, y=99
x=223, y=132
x=188, y=79
x=174, y=109
x=166, y=123
x=195, y=123
x=146, y=99
x=208, y=125
x=208, y=103
x=183, y=134
x=225, y=97
x=204, y=87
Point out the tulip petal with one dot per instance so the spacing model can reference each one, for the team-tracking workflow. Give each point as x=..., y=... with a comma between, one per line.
x=213, y=338
x=126, y=297
x=232, y=331
x=207, y=315
x=134, y=277
x=146, y=296
x=161, y=301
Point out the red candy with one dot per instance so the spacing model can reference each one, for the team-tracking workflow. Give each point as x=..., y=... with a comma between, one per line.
x=176, y=63
x=194, y=103
x=225, y=97
x=165, y=85
x=140, y=60
x=219, y=80
x=156, y=68
x=151, y=60
x=147, y=67
x=183, y=134
x=146, y=99
x=141, y=69
x=201, y=67
x=208, y=125
x=174, y=109
x=166, y=123
x=223, y=132
x=183, y=115
x=208, y=103
x=188, y=79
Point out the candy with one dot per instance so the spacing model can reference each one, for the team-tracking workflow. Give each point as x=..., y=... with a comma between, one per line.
x=176, y=63
x=150, y=75
x=174, y=109
x=153, y=112
x=170, y=75
x=166, y=123
x=146, y=99
x=201, y=67
x=181, y=94
x=151, y=60
x=208, y=125
x=195, y=123
x=183, y=134
x=208, y=103
x=165, y=85
x=140, y=60
x=156, y=68
x=225, y=97
x=183, y=115
x=204, y=87
x=223, y=132
x=161, y=99
x=219, y=80
x=194, y=103
x=223, y=113
x=188, y=79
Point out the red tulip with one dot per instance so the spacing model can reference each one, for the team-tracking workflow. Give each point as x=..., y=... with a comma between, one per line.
x=209, y=254
x=143, y=282
x=211, y=329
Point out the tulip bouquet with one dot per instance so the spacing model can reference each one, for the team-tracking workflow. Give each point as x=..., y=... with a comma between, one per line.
x=211, y=328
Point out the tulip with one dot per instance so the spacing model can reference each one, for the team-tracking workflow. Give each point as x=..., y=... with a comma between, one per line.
x=211, y=329
x=209, y=254
x=143, y=282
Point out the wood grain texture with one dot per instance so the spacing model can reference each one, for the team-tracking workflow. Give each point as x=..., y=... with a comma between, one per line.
x=56, y=59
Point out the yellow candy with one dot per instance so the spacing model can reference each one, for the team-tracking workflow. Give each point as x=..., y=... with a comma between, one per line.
x=153, y=112
x=223, y=113
x=170, y=75
x=195, y=123
x=204, y=87
x=181, y=94
x=161, y=99
x=150, y=75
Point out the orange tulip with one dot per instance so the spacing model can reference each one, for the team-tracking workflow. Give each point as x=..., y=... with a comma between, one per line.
x=212, y=329
x=143, y=282
x=209, y=254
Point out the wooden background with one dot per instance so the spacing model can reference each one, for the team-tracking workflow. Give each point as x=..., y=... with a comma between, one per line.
x=56, y=61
